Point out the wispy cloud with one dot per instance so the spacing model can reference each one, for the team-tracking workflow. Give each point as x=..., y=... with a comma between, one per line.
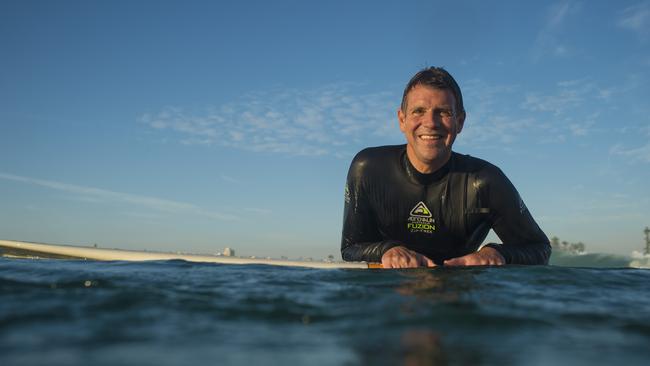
x=571, y=107
x=489, y=119
x=574, y=107
x=646, y=130
x=340, y=119
x=641, y=154
x=582, y=128
x=588, y=205
x=98, y=195
x=554, y=116
x=256, y=210
x=229, y=179
x=324, y=121
x=567, y=96
x=549, y=40
x=499, y=130
x=636, y=18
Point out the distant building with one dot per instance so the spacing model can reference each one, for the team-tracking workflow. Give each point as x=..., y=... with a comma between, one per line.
x=227, y=252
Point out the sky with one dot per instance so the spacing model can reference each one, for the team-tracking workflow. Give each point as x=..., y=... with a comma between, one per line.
x=198, y=125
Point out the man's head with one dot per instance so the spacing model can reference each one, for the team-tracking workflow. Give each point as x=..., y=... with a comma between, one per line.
x=435, y=78
x=431, y=115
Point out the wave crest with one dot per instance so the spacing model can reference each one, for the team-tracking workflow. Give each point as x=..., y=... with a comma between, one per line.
x=599, y=260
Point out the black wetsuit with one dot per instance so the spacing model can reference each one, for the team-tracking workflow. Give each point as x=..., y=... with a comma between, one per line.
x=442, y=215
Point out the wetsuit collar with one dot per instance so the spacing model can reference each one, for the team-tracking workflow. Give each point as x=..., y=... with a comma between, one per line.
x=428, y=178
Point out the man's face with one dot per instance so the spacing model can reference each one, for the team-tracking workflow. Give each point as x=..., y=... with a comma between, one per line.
x=430, y=124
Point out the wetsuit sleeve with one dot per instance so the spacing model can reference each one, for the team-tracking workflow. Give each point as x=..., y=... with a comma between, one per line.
x=361, y=239
x=523, y=241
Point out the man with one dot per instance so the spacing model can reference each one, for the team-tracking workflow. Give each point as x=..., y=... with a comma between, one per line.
x=421, y=204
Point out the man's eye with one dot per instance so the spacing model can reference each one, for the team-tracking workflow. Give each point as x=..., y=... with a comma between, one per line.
x=418, y=111
x=445, y=113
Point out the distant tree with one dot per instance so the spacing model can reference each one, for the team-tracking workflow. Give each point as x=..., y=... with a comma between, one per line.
x=555, y=242
x=565, y=246
x=575, y=248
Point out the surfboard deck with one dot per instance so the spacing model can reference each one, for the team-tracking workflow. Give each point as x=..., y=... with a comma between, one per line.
x=21, y=249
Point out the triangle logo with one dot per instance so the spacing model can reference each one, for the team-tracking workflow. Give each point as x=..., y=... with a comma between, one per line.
x=421, y=210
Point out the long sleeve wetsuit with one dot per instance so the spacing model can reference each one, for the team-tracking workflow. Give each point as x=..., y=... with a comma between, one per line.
x=442, y=215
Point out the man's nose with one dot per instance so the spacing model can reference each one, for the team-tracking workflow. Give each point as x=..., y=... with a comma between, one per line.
x=432, y=120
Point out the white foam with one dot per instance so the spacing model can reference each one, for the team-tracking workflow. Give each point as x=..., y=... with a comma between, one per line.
x=639, y=260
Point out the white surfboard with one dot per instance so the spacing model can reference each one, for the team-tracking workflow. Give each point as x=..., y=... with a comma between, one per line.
x=21, y=249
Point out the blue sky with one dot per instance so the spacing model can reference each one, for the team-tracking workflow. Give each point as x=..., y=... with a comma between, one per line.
x=193, y=126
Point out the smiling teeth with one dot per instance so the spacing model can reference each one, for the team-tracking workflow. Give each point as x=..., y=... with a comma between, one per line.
x=430, y=137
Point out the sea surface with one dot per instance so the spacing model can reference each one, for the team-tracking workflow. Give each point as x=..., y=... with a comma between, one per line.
x=582, y=310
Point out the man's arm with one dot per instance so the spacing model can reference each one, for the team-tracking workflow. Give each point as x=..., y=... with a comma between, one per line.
x=523, y=241
x=486, y=256
x=361, y=240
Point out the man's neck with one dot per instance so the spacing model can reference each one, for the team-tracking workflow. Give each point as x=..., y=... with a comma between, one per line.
x=427, y=168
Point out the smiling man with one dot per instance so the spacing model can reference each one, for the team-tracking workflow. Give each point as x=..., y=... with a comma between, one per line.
x=421, y=204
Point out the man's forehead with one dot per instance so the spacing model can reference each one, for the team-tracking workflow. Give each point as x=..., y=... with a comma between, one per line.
x=423, y=93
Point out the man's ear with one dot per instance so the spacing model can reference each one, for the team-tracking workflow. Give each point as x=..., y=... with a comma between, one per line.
x=401, y=117
x=460, y=122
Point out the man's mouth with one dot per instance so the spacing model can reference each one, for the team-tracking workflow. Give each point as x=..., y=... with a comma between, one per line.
x=431, y=137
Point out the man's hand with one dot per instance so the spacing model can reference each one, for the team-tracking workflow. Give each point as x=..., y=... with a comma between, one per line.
x=487, y=256
x=401, y=257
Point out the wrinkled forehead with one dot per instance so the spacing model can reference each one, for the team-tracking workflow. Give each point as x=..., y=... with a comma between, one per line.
x=425, y=94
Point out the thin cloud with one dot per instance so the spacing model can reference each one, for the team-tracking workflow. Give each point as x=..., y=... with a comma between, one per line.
x=260, y=211
x=637, y=19
x=495, y=130
x=323, y=121
x=492, y=120
x=229, y=179
x=337, y=120
x=636, y=154
x=567, y=107
x=557, y=14
x=548, y=41
x=98, y=195
x=489, y=120
x=640, y=154
x=568, y=96
x=575, y=106
x=646, y=130
x=581, y=129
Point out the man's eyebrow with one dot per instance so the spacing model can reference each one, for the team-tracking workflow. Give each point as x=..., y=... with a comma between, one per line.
x=416, y=105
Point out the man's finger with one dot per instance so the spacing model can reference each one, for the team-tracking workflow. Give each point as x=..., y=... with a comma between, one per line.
x=401, y=257
x=386, y=262
x=429, y=262
x=460, y=261
x=424, y=261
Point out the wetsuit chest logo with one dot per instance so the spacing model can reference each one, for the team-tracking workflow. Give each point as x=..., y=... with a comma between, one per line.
x=420, y=220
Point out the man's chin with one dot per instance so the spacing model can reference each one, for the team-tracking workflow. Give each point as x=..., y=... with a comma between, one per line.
x=436, y=155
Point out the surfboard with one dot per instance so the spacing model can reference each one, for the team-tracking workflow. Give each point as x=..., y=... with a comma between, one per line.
x=22, y=249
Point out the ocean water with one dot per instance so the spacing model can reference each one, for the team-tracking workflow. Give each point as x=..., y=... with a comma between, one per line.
x=583, y=310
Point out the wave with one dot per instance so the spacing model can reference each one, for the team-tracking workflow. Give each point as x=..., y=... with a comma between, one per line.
x=599, y=260
x=640, y=260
